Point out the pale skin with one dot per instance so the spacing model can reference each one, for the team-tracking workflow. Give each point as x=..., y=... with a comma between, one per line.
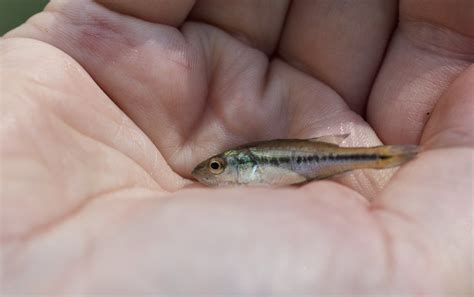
x=104, y=115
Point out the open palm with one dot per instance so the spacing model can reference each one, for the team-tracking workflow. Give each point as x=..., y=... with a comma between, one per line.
x=106, y=109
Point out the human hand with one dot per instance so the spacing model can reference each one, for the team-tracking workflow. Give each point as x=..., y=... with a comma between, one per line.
x=105, y=114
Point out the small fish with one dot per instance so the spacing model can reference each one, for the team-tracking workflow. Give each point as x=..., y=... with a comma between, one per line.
x=291, y=161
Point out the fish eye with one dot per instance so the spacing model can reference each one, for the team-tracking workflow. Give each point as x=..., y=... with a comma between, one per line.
x=216, y=165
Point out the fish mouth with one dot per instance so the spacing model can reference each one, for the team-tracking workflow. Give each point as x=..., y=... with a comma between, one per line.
x=195, y=174
x=199, y=174
x=197, y=169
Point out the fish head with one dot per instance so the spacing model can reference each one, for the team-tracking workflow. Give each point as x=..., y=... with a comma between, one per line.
x=219, y=170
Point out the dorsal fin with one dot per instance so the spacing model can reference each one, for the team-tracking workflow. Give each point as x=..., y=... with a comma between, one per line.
x=331, y=139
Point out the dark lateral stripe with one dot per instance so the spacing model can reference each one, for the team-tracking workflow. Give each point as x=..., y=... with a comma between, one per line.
x=268, y=160
x=276, y=161
x=357, y=157
x=331, y=157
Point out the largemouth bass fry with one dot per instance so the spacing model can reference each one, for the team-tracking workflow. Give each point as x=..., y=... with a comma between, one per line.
x=291, y=161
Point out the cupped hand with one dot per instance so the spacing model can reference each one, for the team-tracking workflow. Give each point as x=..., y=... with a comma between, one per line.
x=106, y=108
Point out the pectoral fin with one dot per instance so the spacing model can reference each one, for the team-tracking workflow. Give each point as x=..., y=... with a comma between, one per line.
x=331, y=139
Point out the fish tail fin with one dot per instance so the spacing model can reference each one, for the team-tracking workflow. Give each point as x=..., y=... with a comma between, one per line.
x=395, y=155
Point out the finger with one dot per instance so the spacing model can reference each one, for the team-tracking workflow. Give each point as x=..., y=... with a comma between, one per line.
x=167, y=12
x=340, y=43
x=431, y=198
x=257, y=23
x=433, y=44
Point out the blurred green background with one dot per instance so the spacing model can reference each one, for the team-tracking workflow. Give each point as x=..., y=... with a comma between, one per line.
x=15, y=12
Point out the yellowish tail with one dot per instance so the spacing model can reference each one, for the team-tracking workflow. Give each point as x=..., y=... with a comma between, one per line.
x=394, y=155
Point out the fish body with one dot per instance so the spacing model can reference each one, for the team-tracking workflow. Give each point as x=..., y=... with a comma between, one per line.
x=292, y=161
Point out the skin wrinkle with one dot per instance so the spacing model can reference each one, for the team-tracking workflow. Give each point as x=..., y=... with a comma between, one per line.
x=81, y=266
x=103, y=28
x=274, y=54
x=43, y=229
x=434, y=135
x=37, y=147
x=85, y=264
x=432, y=143
x=227, y=121
x=452, y=49
x=265, y=98
x=408, y=14
x=158, y=183
x=384, y=236
x=387, y=243
x=378, y=68
x=207, y=106
x=375, y=208
x=392, y=257
x=412, y=116
x=186, y=139
x=119, y=129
